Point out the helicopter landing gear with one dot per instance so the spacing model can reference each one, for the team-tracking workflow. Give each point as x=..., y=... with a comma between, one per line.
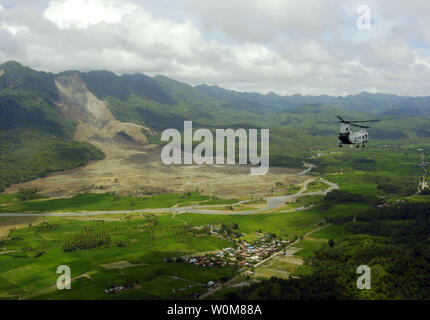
x=340, y=145
x=357, y=146
x=363, y=146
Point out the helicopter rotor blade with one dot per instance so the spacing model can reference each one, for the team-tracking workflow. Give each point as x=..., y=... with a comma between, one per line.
x=356, y=125
x=351, y=121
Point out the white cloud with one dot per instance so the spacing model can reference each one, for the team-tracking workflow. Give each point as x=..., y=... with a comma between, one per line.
x=14, y=29
x=82, y=13
x=286, y=47
x=262, y=20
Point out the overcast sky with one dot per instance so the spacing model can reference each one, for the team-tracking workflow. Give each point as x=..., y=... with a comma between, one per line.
x=285, y=46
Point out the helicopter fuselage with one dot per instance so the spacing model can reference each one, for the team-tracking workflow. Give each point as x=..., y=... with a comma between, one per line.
x=346, y=136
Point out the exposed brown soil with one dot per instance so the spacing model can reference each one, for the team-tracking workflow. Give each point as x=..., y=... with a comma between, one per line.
x=132, y=166
x=9, y=223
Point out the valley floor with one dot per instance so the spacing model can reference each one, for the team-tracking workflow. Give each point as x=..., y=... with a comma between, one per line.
x=137, y=263
x=140, y=172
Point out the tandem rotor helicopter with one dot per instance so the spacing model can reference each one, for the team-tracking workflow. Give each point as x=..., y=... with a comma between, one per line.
x=346, y=136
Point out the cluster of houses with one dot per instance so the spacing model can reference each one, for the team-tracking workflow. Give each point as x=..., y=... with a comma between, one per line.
x=242, y=255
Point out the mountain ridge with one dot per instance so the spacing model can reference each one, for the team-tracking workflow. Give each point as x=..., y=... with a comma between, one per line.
x=159, y=89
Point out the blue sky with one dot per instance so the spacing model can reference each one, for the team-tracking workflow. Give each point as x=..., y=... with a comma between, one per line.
x=285, y=46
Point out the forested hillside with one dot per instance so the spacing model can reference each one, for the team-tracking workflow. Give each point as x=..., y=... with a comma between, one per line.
x=35, y=139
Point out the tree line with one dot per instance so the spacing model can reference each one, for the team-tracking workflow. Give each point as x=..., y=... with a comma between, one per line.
x=87, y=240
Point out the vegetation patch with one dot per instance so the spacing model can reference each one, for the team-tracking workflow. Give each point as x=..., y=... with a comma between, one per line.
x=103, y=201
x=87, y=240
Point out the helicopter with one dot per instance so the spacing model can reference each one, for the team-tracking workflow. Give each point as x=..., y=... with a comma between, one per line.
x=346, y=136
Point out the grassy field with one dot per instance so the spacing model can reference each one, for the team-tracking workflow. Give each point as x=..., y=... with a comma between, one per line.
x=332, y=232
x=103, y=201
x=425, y=198
x=316, y=186
x=305, y=201
x=278, y=267
x=286, y=225
x=308, y=247
x=345, y=210
x=35, y=277
x=293, y=189
x=8, y=198
x=368, y=171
